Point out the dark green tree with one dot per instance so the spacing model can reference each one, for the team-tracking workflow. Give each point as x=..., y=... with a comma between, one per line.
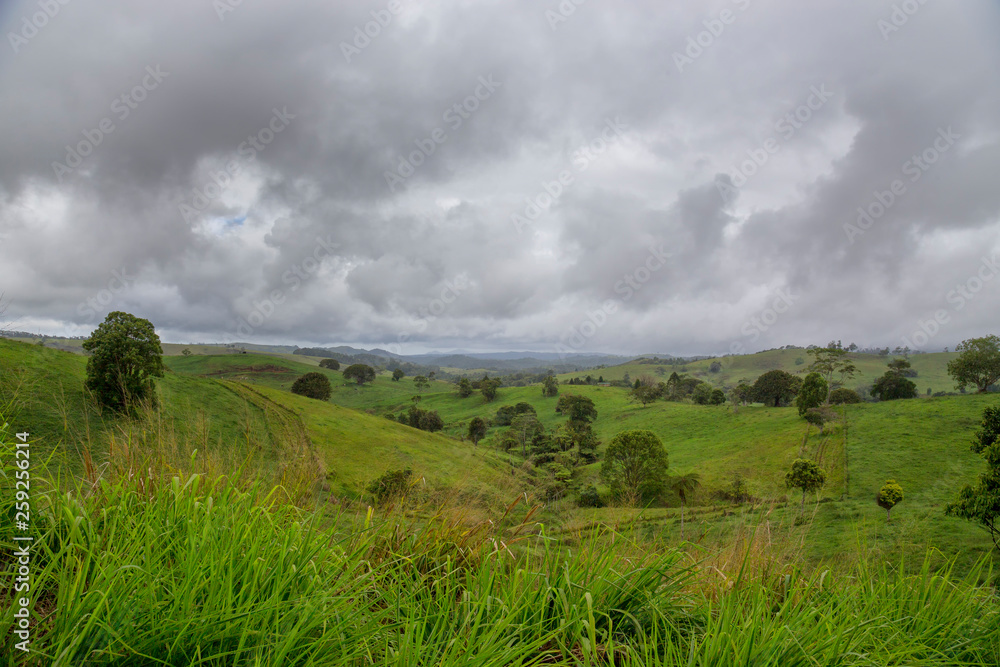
x=550, y=387
x=125, y=356
x=979, y=363
x=842, y=395
x=420, y=382
x=635, y=463
x=477, y=430
x=814, y=392
x=332, y=364
x=893, y=385
x=645, y=393
x=775, y=387
x=360, y=373
x=313, y=385
x=981, y=503
x=398, y=375
x=464, y=388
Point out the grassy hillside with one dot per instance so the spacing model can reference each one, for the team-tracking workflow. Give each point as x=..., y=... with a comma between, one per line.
x=921, y=443
x=931, y=369
x=236, y=418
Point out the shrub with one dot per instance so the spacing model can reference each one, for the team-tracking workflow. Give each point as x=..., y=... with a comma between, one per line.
x=313, y=385
x=589, y=497
x=332, y=364
x=391, y=485
x=844, y=395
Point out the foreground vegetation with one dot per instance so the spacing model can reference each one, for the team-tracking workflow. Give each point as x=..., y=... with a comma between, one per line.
x=175, y=563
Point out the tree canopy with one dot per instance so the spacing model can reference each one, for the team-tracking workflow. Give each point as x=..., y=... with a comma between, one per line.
x=332, y=364
x=889, y=496
x=979, y=363
x=981, y=503
x=775, y=387
x=125, y=354
x=805, y=475
x=813, y=393
x=634, y=462
x=314, y=385
x=360, y=373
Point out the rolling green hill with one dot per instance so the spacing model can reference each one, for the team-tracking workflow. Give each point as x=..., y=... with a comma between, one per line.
x=220, y=413
x=931, y=369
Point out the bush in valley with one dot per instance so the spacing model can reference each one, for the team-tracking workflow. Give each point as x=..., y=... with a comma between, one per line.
x=589, y=497
x=842, y=395
x=360, y=373
x=313, y=385
x=393, y=484
x=425, y=420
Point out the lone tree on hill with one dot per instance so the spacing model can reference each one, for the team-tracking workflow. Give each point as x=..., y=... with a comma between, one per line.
x=477, y=430
x=888, y=497
x=360, y=373
x=420, y=382
x=313, y=385
x=813, y=393
x=332, y=364
x=550, y=387
x=979, y=363
x=398, y=375
x=776, y=387
x=981, y=503
x=634, y=462
x=805, y=475
x=464, y=388
x=645, y=393
x=125, y=356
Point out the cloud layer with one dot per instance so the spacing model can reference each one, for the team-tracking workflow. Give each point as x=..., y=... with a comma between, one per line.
x=495, y=175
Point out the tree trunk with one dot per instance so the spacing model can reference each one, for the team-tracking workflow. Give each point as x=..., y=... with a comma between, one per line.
x=802, y=506
x=682, y=522
x=888, y=515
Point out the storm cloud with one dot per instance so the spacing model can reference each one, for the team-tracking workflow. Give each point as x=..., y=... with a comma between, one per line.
x=623, y=177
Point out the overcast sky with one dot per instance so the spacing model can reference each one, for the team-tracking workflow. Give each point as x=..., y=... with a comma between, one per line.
x=623, y=177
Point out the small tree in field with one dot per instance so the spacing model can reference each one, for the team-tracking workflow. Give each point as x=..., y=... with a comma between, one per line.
x=464, y=388
x=805, y=475
x=813, y=393
x=979, y=363
x=125, y=356
x=888, y=497
x=332, y=364
x=633, y=462
x=420, y=382
x=981, y=503
x=313, y=385
x=360, y=373
x=477, y=430
x=398, y=375
x=550, y=387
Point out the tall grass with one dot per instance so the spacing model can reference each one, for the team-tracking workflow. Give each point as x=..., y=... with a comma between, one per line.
x=162, y=558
